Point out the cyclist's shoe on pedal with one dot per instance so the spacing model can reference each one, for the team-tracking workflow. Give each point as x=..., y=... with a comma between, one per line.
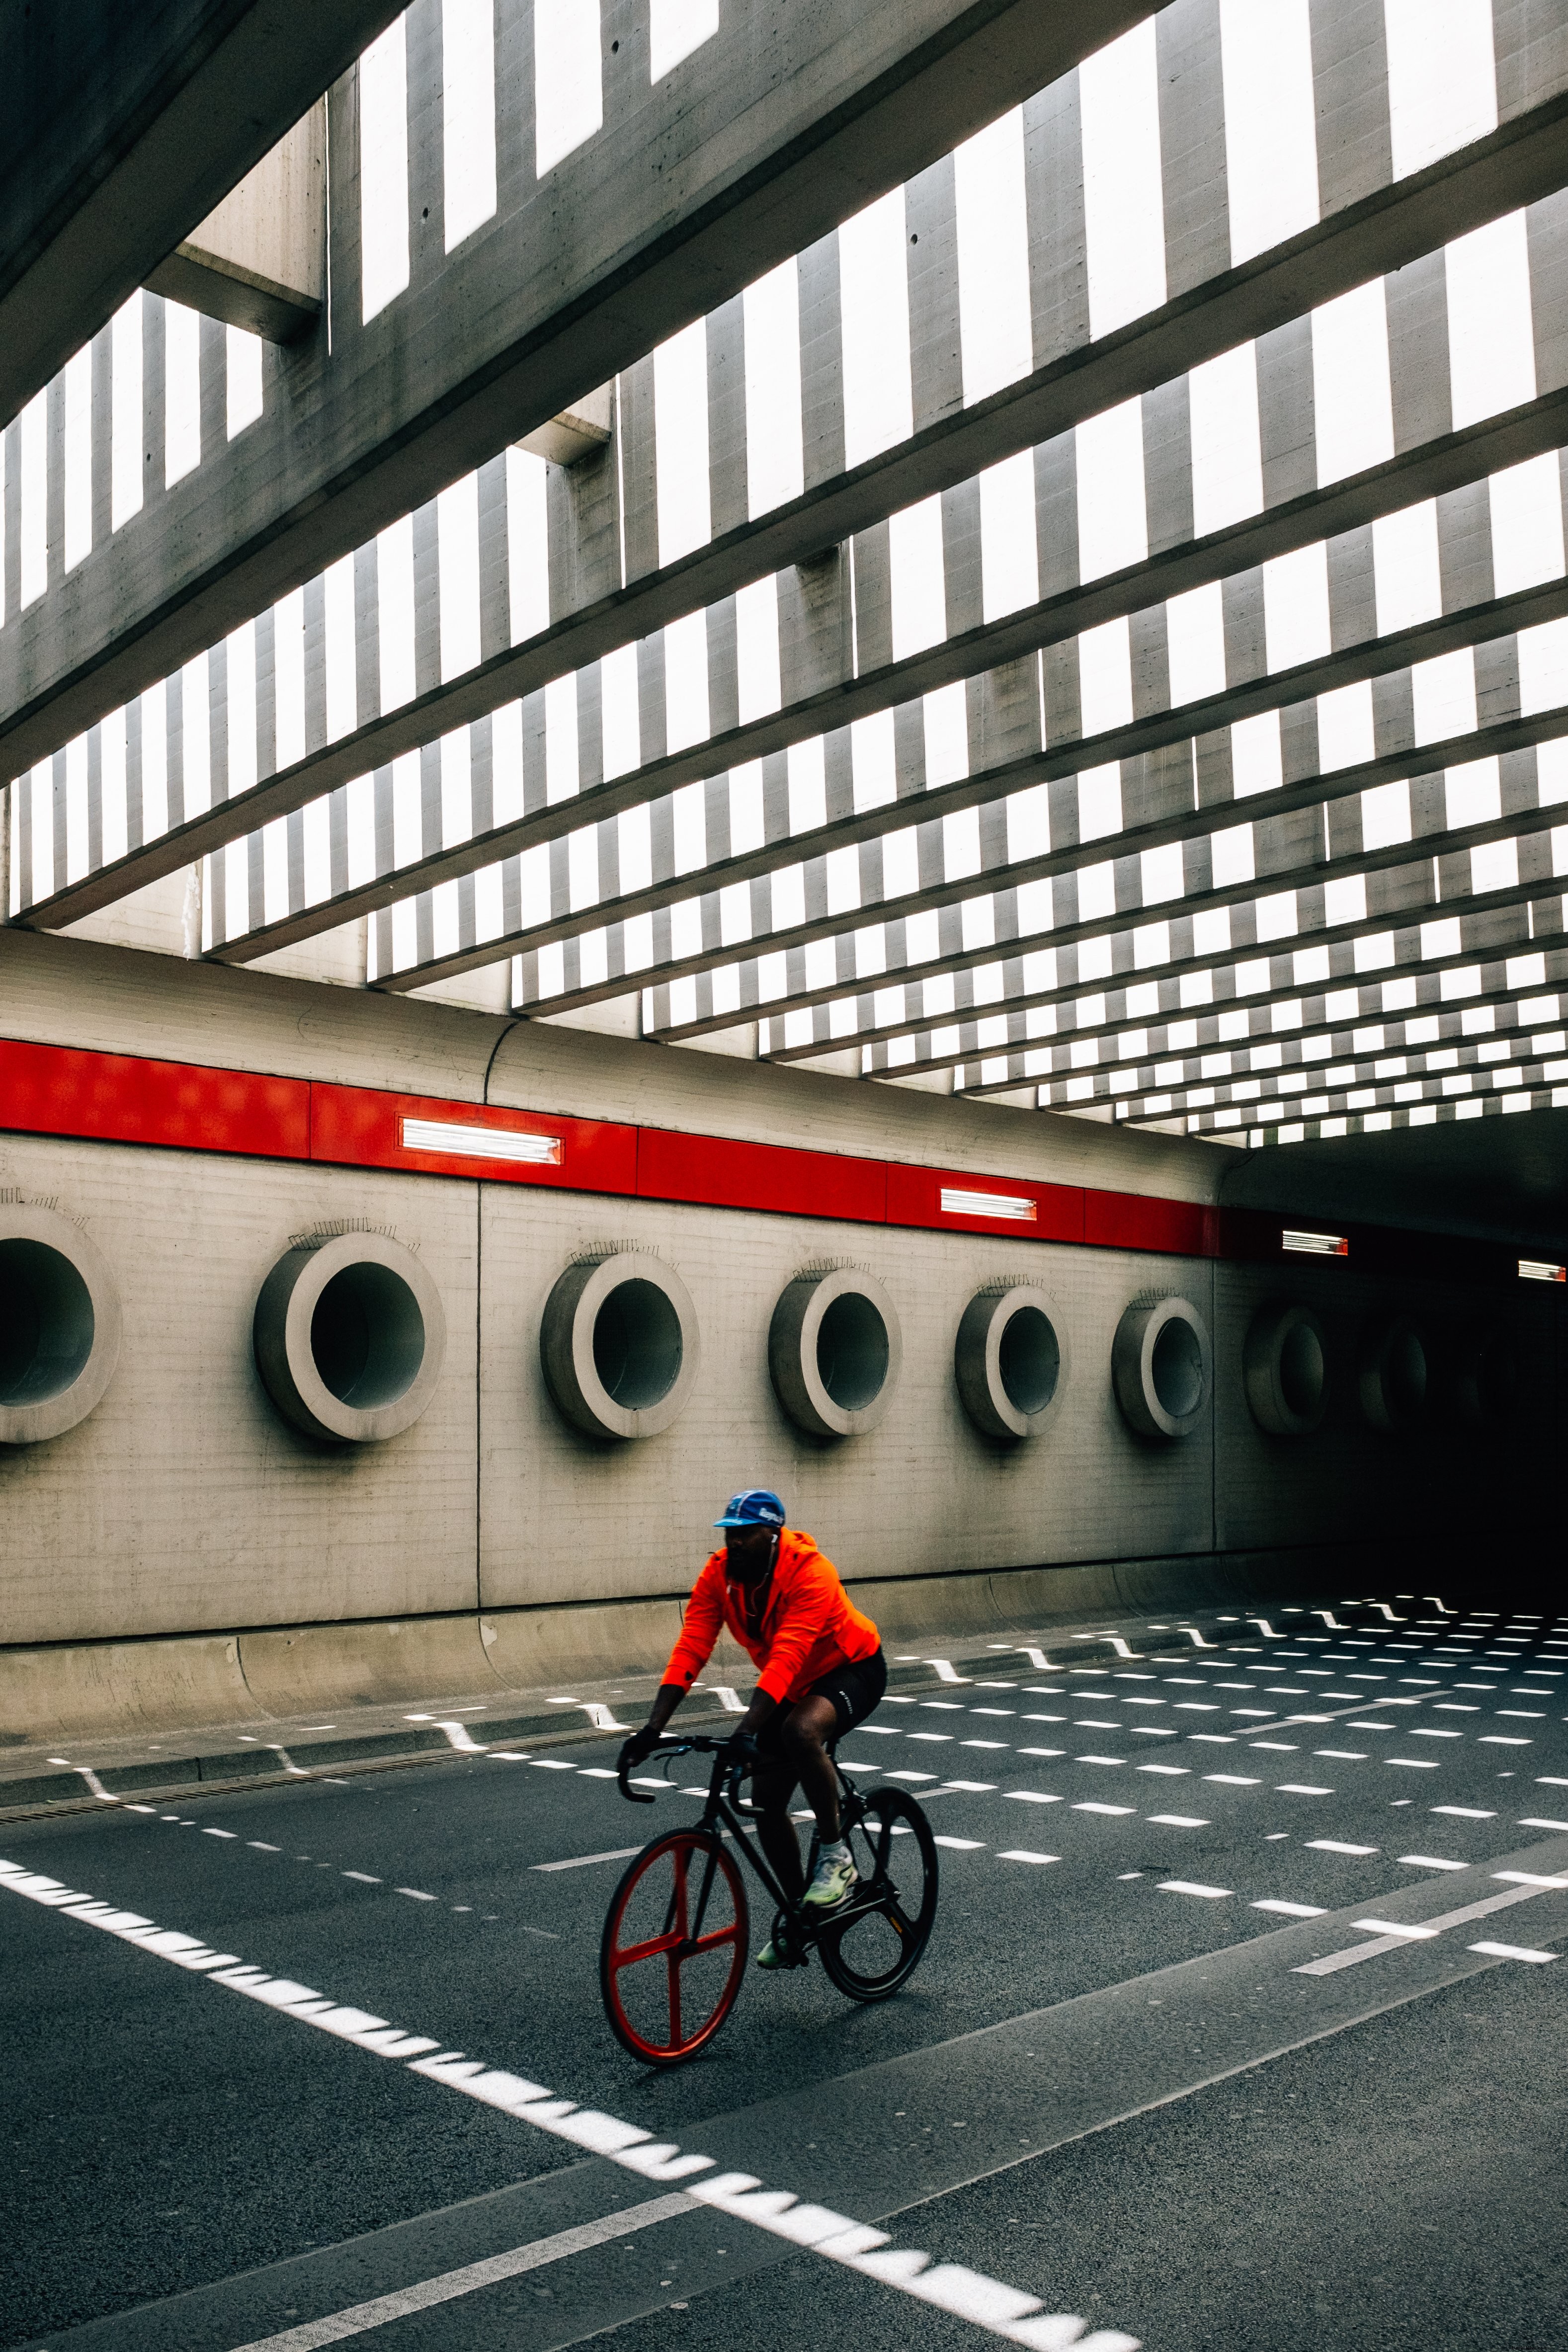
x=835, y=1879
x=781, y=1950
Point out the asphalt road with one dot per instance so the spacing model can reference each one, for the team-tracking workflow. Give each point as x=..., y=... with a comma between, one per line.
x=1119, y=2090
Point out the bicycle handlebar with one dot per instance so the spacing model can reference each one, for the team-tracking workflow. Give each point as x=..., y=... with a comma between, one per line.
x=697, y=1743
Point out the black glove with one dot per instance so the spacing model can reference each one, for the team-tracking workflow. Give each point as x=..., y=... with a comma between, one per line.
x=640, y=1745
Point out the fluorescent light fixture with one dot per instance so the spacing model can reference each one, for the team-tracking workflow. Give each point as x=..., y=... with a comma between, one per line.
x=1536, y=1269
x=957, y=1203
x=480, y=1142
x=1316, y=1245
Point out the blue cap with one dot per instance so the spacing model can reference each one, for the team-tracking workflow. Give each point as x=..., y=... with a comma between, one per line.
x=757, y=1508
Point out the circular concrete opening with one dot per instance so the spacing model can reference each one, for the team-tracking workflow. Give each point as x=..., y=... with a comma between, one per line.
x=852, y=1351
x=638, y=1347
x=367, y=1337
x=619, y=1345
x=1009, y=1360
x=835, y=1351
x=349, y=1335
x=1285, y=1371
x=1029, y=1360
x=1391, y=1373
x=1161, y=1367
x=60, y=1325
x=1484, y=1380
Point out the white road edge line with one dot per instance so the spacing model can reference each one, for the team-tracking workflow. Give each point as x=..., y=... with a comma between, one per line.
x=1391, y=1937
x=361, y=2317
x=582, y=1861
x=1001, y=2310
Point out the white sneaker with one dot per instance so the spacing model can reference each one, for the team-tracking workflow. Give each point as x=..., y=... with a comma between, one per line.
x=834, y=1879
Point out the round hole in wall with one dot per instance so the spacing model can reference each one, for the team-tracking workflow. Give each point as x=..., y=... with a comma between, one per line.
x=367, y=1337
x=1285, y=1371
x=349, y=1334
x=1392, y=1374
x=60, y=1325
x=1404, y=1377
x=1301, y=1369
x=852, y=1351
x=47, y=1322
x=835, y=1351
x=1009, y=1360
x=1176, y=1369
x=1484, y=1384
x=638, y=1347
x=1029, y=1360
x=1162, y=1367
x=619, y=1344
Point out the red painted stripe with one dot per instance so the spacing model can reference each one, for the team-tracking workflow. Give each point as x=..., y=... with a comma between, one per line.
x=729, y=1175
x=118, y=1099
x=1133, y=1221
x=356, y=1128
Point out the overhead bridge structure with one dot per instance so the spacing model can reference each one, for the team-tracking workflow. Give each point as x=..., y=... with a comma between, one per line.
x=987, y=551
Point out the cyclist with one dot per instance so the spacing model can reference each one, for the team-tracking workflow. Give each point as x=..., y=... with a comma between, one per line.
x=822, y=1673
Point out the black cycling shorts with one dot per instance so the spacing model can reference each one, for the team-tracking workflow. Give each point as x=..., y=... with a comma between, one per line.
x=855, y=1689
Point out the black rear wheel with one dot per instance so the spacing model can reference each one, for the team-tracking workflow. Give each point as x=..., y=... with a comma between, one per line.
x=879, y=1946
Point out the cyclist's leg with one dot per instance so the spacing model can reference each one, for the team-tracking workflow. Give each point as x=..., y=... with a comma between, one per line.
x=773, y=1785
x=809, y=1732
x=835, y=1705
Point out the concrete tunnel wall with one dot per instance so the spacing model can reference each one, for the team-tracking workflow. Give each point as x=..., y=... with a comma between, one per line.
x=184, y=1503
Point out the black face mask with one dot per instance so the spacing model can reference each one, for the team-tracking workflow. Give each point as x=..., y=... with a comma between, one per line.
x=753, y=1596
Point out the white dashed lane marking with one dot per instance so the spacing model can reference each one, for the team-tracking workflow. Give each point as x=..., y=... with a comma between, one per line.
x=1108, y=1812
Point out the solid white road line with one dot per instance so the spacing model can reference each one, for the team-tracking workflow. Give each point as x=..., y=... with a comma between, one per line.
x=361, y=2317
x=987, y=2302
x=582, y=1861
x=1391, y=1936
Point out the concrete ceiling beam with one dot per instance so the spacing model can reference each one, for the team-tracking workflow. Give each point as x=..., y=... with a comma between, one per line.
x=1195, y=823
x=123, y=127
x=1364, y=231
x=693, y=187
x=1428, y=471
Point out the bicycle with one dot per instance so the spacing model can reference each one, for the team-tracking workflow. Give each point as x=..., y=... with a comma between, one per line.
x=671, y=1961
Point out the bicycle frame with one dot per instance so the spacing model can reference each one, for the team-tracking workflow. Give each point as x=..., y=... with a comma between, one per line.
x=718, y=1815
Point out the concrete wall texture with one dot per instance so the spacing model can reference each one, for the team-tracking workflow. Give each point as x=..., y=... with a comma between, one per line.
x=185, y=1503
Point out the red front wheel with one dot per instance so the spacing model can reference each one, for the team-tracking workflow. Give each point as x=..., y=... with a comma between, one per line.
x=674, y=1948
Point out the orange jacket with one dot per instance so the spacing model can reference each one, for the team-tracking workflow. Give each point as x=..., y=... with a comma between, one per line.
x=809, y=1623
